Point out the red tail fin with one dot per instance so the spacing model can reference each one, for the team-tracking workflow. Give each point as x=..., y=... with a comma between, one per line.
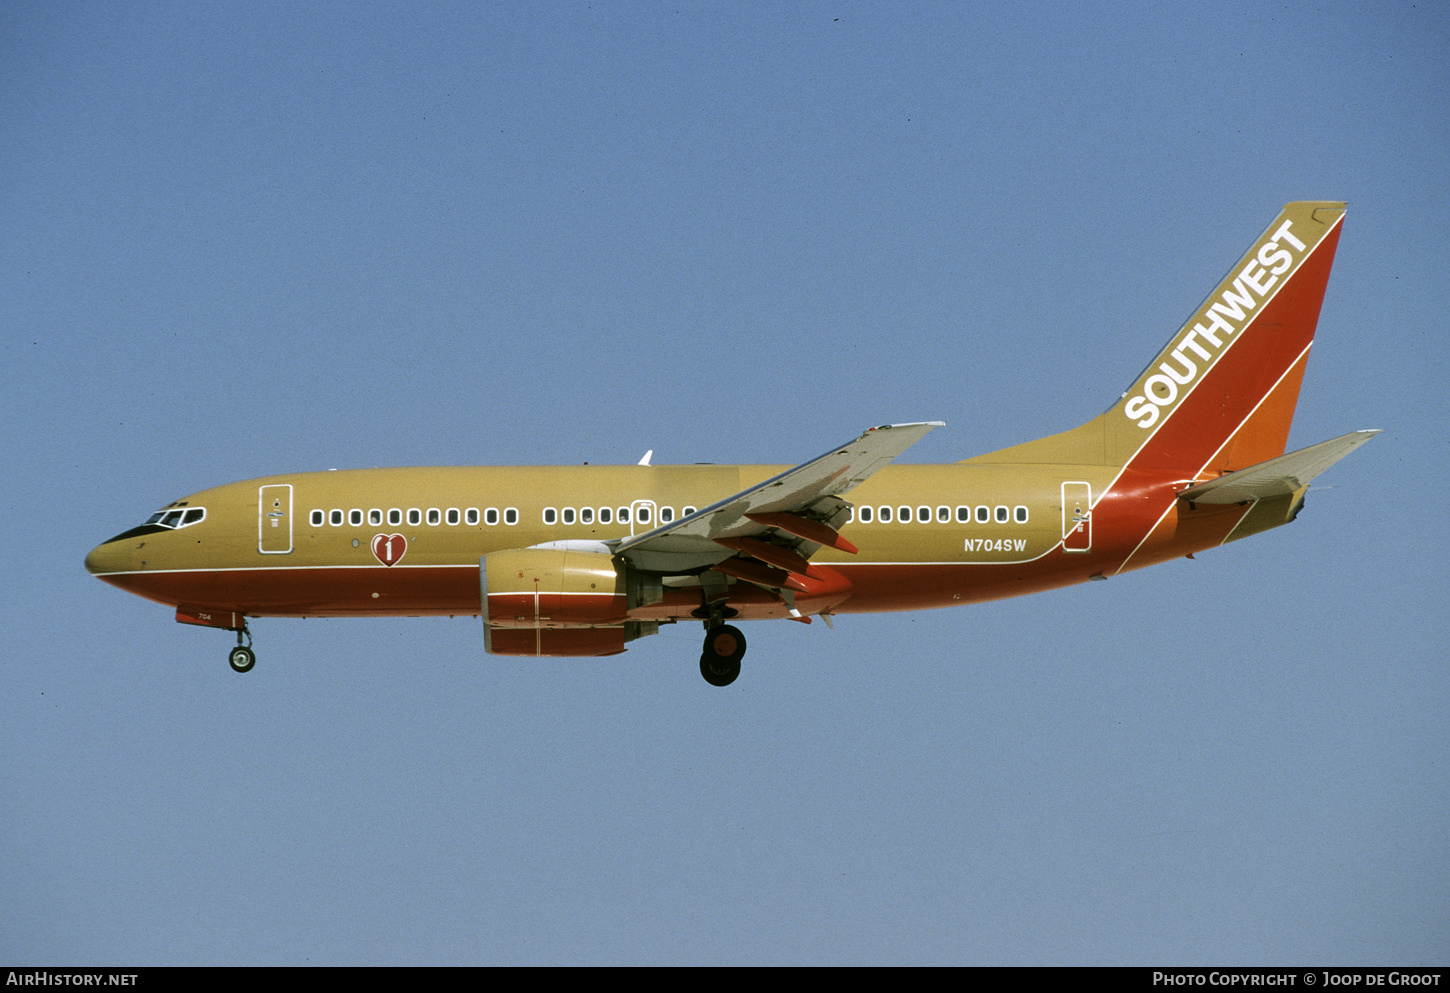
x=1221, y=394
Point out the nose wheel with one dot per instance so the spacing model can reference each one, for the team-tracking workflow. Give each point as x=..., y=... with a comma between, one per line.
x=242, y=658
x=724, y=648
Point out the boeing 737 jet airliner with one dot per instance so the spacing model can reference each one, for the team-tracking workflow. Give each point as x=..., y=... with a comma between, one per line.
x=580, y=560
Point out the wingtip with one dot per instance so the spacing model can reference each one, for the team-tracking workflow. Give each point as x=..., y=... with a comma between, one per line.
x=908, y=424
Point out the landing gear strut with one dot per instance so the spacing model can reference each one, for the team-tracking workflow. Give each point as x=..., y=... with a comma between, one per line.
x=242, y=658
x=724, y=648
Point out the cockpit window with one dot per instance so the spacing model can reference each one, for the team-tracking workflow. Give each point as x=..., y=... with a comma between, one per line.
x=172, y=519
x=168, y=518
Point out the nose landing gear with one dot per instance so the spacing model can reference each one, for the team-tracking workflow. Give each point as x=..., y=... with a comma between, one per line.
x=242, y=658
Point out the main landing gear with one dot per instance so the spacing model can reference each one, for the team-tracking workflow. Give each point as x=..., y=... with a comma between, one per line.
x=724, y=648
x=242, y=658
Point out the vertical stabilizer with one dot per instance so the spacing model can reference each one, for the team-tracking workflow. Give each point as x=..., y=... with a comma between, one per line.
x=1220, y=396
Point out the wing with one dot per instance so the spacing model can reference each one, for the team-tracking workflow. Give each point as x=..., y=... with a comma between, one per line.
x=779, y=523
x=1277, y=477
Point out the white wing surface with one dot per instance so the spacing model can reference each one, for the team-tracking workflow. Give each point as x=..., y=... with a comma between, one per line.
x=793, y=513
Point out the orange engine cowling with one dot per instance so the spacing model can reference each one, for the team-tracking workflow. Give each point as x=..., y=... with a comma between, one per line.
x=555, y=601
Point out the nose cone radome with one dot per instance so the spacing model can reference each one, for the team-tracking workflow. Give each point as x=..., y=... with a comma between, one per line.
x=108, y=559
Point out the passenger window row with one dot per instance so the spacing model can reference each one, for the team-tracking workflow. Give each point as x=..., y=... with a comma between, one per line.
x=964, y=514
x=414, y=515
x=642, y=511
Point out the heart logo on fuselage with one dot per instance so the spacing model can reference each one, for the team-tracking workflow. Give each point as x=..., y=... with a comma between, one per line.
x=389, y=548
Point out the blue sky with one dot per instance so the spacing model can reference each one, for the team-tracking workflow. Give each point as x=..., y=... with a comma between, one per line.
x=243, y=239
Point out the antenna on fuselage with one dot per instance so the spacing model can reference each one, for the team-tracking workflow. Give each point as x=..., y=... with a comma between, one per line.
x=645, y=460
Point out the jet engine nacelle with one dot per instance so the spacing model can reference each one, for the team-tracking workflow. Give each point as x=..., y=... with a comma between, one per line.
x=554, y=600
x=556, y=642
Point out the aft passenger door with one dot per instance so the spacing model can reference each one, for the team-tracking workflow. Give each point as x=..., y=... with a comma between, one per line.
x=274, y=519
x=1077, y=523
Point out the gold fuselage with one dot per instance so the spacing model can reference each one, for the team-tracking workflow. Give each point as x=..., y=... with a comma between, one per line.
x=252, y=556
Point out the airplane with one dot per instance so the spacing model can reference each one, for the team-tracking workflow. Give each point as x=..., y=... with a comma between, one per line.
x=580, y=560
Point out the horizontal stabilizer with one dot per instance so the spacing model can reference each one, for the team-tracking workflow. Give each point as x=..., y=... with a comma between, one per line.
x=1276, y=477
